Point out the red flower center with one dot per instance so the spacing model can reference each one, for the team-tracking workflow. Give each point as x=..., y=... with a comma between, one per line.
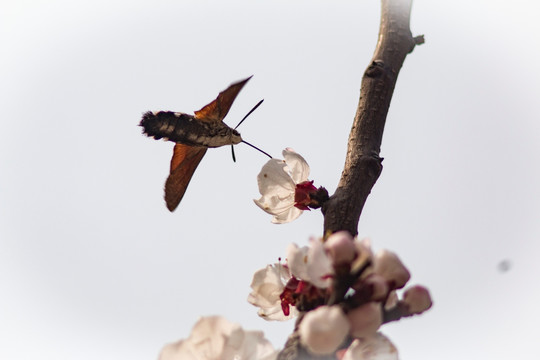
x=302, y=193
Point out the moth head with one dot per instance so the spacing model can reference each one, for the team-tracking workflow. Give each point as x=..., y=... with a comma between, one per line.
x=235, y=137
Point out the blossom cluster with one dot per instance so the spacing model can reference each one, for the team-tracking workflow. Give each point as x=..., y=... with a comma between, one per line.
x=340, y=290
x=345, y=291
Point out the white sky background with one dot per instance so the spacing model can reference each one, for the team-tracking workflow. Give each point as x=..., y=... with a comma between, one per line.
x=93, y=266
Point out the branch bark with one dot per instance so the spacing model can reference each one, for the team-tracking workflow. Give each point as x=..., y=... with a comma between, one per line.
x=363, y=164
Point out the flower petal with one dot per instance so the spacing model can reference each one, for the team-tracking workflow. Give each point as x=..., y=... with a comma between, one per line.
x=310, y=263
x=215, y=338
x=366, y=319
x=377, y=347
x=180, y=350
x=287, y=216
x=274, y=204
x=322, y=330
x=297, y=259
x=319, y=265
x=267, y=285
x=341, y=248
x=274, y=180
x=298, y=167
x=388, y=265
x=209, y=335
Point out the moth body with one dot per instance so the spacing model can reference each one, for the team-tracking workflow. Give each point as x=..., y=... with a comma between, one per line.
x=186, y=129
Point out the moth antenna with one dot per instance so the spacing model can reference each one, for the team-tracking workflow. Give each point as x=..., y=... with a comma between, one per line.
x=249, y=113
x=256, y=148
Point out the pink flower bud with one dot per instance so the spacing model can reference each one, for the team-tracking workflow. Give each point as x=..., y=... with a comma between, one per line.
x=418, y=299
x=365, y=320
x=322, y=330
x=379, y=286
x=341, y=248
x=389, y=266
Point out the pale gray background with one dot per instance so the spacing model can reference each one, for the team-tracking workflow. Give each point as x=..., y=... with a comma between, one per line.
x=92, y=265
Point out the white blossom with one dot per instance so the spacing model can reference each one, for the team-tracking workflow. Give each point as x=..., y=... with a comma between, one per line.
x=277, y=184
x=267, y=286
x=310, y=263
x=215, y=338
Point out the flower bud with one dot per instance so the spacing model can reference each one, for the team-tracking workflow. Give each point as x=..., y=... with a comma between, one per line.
x=418, y=299
x=365, y=320
x=322, y=330
x=378, y=285
x=341, y=248
x=388, y=265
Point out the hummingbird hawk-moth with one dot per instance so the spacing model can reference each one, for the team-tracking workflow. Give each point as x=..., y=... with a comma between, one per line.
x=192, y=135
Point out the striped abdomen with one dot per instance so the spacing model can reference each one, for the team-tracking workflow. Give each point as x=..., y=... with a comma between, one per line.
x=186, y=129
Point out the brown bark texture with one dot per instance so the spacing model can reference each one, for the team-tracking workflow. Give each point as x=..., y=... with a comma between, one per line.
x=363, y=164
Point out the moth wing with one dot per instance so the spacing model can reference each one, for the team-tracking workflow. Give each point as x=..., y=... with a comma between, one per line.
x=218, y=109
x=183, y=164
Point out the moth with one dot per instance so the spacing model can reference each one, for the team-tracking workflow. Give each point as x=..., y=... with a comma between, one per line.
x=193, y=135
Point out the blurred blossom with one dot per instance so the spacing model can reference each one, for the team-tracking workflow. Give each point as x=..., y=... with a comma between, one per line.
x=215, y=338
x=322, y=330
x=345, y=294
x=378, y=286
x=366, y=319
x=392, y=300
x=418, y=299
x=364, y=254
x=388, y=265
x=376, y=347
x=341, y=248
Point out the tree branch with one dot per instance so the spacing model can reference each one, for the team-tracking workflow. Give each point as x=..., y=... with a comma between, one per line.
x=363, y=164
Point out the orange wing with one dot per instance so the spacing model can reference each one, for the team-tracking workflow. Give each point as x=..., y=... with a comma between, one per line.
x=218, y=109
x=183, y=164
